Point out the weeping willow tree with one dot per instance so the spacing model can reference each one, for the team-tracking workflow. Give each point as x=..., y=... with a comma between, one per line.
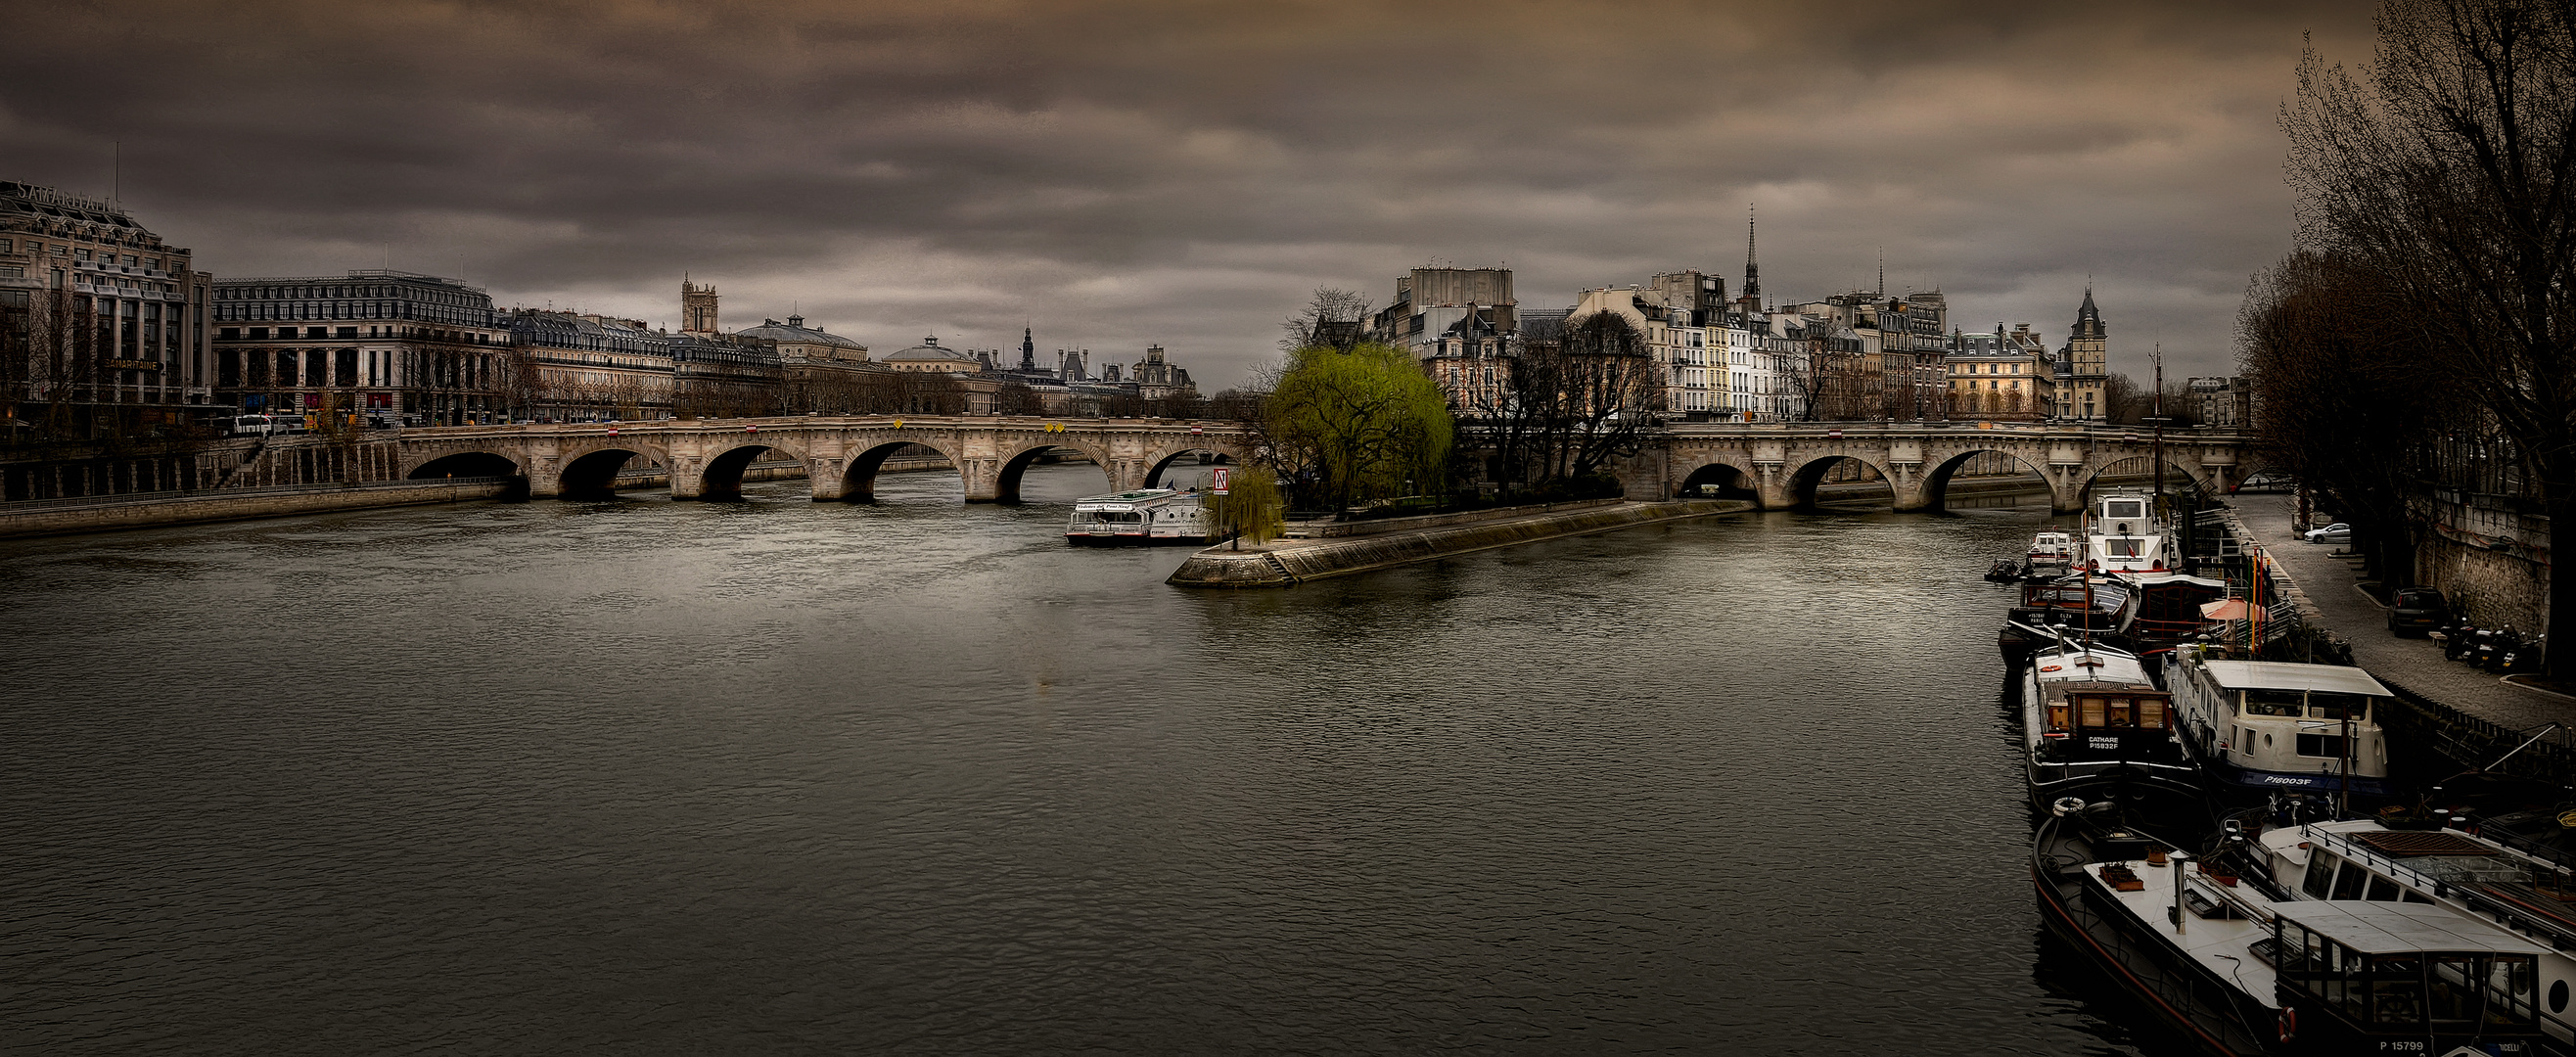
x=1348, y=426
x=1252, y=508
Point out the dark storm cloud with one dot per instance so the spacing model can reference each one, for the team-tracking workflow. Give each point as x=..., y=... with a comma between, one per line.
x=1185, y=172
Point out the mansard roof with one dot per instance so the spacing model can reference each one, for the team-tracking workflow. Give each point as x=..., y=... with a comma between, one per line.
x=795, y=332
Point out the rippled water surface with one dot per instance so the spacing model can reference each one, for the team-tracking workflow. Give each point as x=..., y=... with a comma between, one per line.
x=916, y=777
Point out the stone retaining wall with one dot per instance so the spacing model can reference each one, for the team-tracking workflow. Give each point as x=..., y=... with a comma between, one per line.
x=1340, y=529
x=222, y=506
x=1288, y=562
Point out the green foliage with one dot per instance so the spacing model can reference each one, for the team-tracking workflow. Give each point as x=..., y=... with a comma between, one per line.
x=1357, y=425
x=1252, y=509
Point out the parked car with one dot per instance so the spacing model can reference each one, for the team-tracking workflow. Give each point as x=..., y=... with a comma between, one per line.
x=2335, y=533
x=2417, y=610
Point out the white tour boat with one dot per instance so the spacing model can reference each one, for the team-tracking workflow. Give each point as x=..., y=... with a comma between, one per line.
x=2273, y=726
x=1151, y=515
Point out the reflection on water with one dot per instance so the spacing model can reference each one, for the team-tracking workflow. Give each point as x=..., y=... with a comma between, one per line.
x=915, y=776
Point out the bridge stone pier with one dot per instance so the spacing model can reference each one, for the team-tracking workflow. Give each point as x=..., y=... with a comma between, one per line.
x=705, y=458
x=1780, y=466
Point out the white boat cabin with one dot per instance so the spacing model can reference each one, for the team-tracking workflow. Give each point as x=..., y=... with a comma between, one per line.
x=1151, y=515
x=2124, y=536
x=2277, y=725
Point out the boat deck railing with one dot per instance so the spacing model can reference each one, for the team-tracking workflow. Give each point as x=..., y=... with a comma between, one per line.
x=2474, y=896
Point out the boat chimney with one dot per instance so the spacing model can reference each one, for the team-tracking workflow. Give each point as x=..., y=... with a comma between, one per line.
x=2179, y=861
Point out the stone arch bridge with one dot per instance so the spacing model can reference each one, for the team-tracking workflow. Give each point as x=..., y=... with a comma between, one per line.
x=1781, y=465
x=841, y=455
x=1777, y=465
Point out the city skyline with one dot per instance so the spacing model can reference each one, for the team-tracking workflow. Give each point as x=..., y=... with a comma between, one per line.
x=1130, y=174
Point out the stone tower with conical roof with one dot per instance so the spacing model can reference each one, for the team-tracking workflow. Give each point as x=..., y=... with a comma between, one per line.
x=2088, y=362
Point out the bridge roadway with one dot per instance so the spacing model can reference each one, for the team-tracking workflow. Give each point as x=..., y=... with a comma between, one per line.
x=1775, y=464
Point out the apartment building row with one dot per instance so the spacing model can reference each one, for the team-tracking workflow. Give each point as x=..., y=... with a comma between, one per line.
x=1852, y=355
x=105, y=328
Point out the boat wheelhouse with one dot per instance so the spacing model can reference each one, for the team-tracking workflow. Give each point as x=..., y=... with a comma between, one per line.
x=2243, y=971
x=2272, y=726
x=2124, y=536
x=2472, y=874
x=2402, y=978
x=2089, y=709
x=1151, y=515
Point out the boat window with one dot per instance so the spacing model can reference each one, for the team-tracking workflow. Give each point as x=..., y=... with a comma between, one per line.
x=2092, y=710
x=2151, y=713
x=2123, y=546
x=2116, y=509
x=2320, y=879
x=2273, y=702
x=2323, y=705
x=2509, y=989
x=2413, y=896
x=2348, y=883
x=2327, y=746
x=2397, y=990
x=2120, y=712
x=2382, y=890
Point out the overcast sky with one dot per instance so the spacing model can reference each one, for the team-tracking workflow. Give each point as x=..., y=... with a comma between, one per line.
x=1115, y=174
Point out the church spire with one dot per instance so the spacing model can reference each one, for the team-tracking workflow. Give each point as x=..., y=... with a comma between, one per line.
x=1752, y=270
x=2088, y=319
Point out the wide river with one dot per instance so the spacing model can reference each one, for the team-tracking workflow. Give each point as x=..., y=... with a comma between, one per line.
x=916, y=777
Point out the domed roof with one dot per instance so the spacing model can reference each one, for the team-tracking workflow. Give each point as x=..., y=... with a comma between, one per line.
x=794, y=331
x=931, y=351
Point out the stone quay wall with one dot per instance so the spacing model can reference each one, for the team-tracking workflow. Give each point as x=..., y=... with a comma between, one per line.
x=237, y=504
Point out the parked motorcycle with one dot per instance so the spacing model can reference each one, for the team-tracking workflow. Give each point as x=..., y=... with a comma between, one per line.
x=2527, y=656
x=2460, y=642
x=2492, y=647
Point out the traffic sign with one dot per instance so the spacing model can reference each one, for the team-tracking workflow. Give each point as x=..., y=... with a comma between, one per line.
x=1220, y=480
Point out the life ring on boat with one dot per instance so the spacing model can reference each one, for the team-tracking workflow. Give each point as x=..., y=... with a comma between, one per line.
x=2289, y=1024
x=2053, y=667
x=2066, y=805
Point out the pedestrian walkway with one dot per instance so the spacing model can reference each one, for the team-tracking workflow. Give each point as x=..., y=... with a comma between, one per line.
x=2332, y=589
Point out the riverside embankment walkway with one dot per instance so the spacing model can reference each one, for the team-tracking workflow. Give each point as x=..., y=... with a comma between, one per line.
x=2338, y=603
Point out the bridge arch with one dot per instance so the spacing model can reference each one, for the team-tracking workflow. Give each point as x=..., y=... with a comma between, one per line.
x=721, y=476
x=1936, y=481
x=1729, y=480
x=1006, y=482
x=1162, y=462
x=1806, y=477
x=591, y=473
x=2138, y=464
x=470, y=463
x=858, y=482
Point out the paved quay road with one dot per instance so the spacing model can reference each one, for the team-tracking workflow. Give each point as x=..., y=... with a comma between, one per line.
x=2417, y=664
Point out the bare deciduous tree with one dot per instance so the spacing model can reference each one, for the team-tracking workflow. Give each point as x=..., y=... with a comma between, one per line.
x=2447, y=169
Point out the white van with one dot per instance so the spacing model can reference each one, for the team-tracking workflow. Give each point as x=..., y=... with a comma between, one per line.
x=250, y=426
